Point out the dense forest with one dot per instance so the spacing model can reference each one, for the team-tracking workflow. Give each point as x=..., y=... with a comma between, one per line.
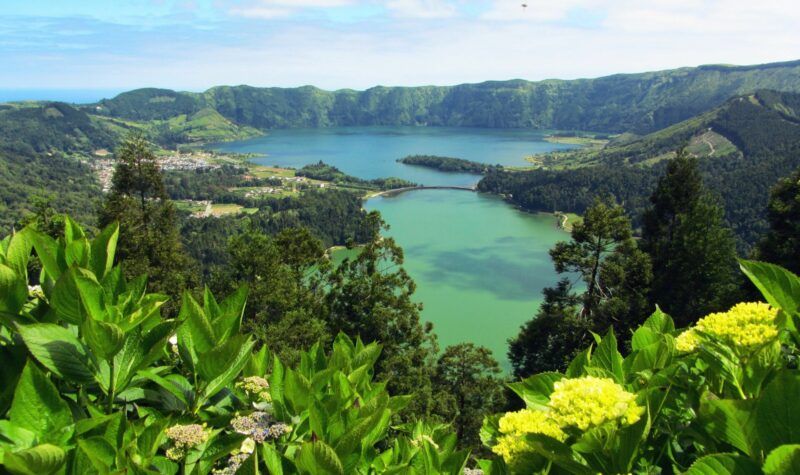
x=448, y=164
x=762, y=127
x=620, y=103
x=325, y=172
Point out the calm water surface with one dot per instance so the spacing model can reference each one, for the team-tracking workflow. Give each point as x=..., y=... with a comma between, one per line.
x=372, y=152
x=480, y=265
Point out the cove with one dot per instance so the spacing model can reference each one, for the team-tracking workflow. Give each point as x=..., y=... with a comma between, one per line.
x=480, y=264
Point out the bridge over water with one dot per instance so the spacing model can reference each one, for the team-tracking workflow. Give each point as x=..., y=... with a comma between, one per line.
x=397, y=191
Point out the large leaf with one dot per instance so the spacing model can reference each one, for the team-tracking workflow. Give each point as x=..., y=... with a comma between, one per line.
x=536, y=390
x=99, y=452
x=104, y=247
x=272, y=459
x=557, y=452
x=195, y=332
x=779, y=287
x=731, y=421
x=13, y=291
x=58, y=350
x=37, y=405
x=77, y=294
x=608, y=358
x=318, y=458
x=235, y=366
x=19, y=252
x=48, y=253
x=41, y=460
x=140, y=350
x=778, y=420
x=723, y=464
x=105, y=339
x=231, y=311
x=784, y=460
x=218, y=360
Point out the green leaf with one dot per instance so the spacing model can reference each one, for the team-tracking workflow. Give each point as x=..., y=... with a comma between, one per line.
x=100, y=453
x=77, y=294
x=139, y=350
x=104, y=247
x=318, y=458
x=558, y=452
x=272, y=459
x=216, y=361
x=47, y=251
x=58, y=350
x=235, y=366
x=536, y=390
x=41, y=460
x=779, y=287
x=298, y=390
x=607, y=358
x=195, y=331
x=37, y=405
x=778, y=420
x=105, y=339
x=352, y=439
x=231, y=312
x=723, y=464
x=659, y=322
x=731, y=421
x=13, y=291
x=72, y=230
x=19, y=252
x=784, y=460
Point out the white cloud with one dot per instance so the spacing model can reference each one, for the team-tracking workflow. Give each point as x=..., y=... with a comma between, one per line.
x=269, y=9
x=422, y=9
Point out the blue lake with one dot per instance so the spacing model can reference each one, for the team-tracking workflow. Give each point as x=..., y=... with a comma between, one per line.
x=480, y=264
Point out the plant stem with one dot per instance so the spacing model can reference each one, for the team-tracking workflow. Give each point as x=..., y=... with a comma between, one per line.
x=111, y=386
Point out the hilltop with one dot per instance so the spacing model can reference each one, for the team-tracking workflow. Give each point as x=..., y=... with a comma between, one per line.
x=746, y=145
x=640, y=103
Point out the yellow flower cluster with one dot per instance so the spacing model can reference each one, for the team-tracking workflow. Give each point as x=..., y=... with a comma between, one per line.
x=687, y=341
x=581, y=403
x=589, y=402
x=515, y=425
x=183, y=438
x=745, y=328
x=256, y=386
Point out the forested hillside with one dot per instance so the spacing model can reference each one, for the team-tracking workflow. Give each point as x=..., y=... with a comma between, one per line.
x=625, y=102
x=746, y=145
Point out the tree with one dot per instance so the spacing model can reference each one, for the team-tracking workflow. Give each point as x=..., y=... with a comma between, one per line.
x=693, y=253
x=370, y=297
x=468, y=377
x=605, y=231
x=149, y=239
x=284, y=274
x=781, y=244
x=550, y=340
x=617, y=276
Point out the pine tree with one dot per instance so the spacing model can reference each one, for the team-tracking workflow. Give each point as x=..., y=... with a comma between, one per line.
x=781, y=244
x=467, y=380
x=149, y=240
x=617, y=276
x=693, y=253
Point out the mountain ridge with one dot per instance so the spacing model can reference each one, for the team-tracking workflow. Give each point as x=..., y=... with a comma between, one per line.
x=638, y=102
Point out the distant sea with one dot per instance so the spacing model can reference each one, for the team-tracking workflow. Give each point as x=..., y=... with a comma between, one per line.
x=74, y=96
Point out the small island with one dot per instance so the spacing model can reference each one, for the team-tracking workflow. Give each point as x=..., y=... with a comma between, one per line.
x=324, y=172
x=449, y=164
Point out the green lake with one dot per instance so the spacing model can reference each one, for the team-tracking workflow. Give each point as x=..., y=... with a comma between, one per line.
x=480, y=264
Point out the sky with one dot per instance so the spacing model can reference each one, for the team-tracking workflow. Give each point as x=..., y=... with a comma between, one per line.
x=196, y=44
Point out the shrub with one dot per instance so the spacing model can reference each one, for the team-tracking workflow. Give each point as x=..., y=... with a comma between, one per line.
x=719, y=397
x=94, y=380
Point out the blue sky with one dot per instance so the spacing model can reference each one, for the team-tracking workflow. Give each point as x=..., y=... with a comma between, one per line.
x=195, y=44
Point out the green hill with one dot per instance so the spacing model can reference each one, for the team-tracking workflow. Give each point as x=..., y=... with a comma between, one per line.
x=746, y=145
x=640, y=103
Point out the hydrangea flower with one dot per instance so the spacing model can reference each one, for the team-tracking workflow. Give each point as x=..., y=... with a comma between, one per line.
x=687, y=341
x=589, y=402
x=256, y=386
x=184, y=437
x=745, y=327
x=259, y=426
x=515, y=425
x=236, y=460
